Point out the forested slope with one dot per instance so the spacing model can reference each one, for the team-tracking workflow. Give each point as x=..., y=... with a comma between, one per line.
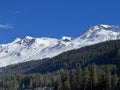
x=100, y=54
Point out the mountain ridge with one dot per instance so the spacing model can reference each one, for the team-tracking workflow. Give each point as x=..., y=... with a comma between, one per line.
x=104, y=53
x=29, y=48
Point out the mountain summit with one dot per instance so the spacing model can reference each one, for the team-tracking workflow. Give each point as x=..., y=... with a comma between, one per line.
x=29, y=48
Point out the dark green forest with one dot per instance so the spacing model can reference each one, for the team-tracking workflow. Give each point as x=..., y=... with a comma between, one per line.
x=92, y=77
x=95, y=67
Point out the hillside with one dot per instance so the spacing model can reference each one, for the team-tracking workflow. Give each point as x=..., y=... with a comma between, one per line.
x=100, y=54
x=30, y=48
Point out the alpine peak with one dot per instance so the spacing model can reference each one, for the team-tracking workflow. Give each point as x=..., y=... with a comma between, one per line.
x=29, y=48
x=16, y=40
x=105, y=27
x=66, y=38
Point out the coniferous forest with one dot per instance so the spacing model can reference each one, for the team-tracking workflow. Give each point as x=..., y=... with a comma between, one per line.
x=95, y=67
x=92, y=77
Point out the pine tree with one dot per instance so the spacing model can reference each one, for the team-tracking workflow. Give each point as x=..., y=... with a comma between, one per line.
x=114, y=82
x=66, y=85
x=23, y=86
x=31, y=83
x=59, y=83
x=108, y=80
x=73, y=81
x=86, y=78
x=94, y=77
x=79, y=77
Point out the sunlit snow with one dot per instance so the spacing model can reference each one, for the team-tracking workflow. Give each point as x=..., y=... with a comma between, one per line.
x=29, y=48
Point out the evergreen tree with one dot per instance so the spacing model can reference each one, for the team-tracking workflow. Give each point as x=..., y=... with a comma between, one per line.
x=73, y=81
x=86, y=79
x=66, y=85
x=79, y=78
x=94, y=77
x=114, y=82
x=23, y=85
x=108, y=80
x=59, y=83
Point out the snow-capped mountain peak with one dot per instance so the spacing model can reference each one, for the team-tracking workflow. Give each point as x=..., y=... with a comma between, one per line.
x=30, y=48
x=28, y=37
x=105, y=27
x=101, y=26
x=66, y=38
x=99, y=33
x=16, y=40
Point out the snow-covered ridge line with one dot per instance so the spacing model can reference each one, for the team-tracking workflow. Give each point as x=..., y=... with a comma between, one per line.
x=29, y=48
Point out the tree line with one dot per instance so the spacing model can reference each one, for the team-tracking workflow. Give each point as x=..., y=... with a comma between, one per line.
x=92, y=77
x=95, y=67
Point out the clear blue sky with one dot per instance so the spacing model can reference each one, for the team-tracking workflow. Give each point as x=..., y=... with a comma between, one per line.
x=54, y=18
